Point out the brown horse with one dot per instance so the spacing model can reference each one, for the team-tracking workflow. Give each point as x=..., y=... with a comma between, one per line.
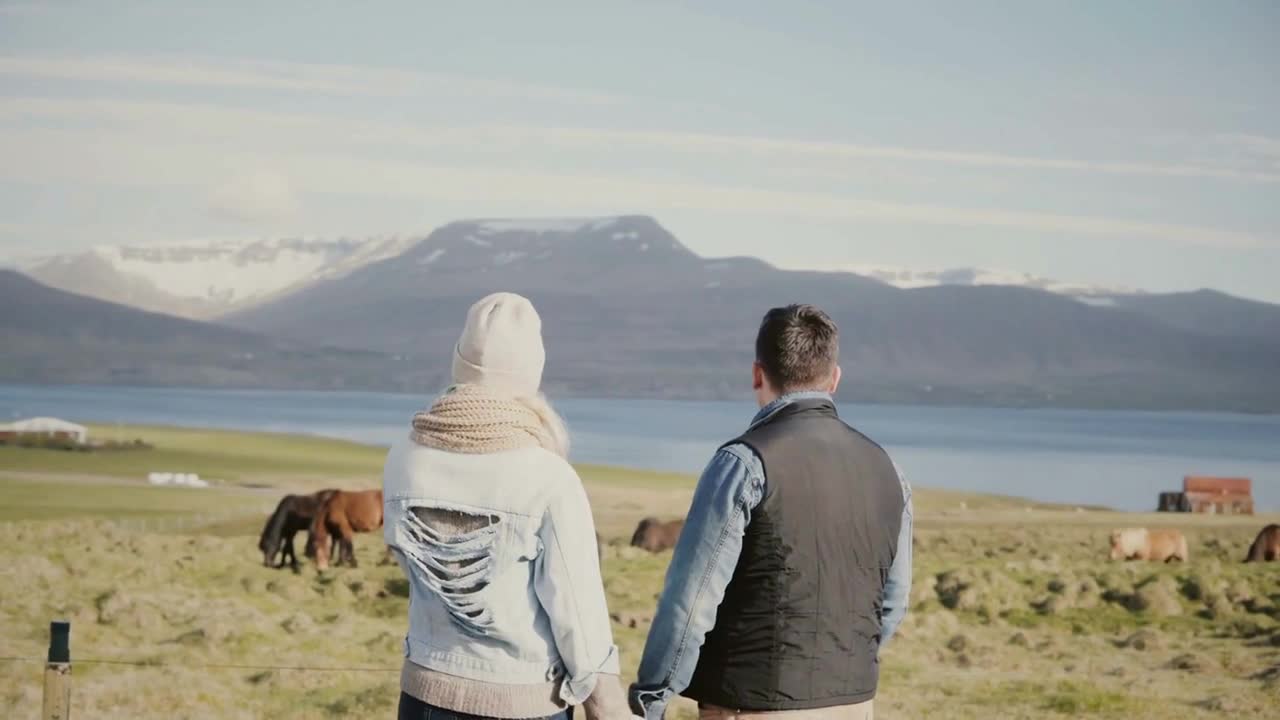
x=293, y=514
x=1267, y=545
x=655, y=536
x=342, y=515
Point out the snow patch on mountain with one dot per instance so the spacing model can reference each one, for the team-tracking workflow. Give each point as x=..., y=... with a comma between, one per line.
x=209, y=277
x=909, y=278
x=544, y=225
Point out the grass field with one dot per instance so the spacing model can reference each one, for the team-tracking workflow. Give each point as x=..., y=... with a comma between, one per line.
x=1015, y=611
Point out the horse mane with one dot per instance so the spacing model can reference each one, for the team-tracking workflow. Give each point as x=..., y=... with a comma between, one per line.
x=274, y=528
x=319, y=522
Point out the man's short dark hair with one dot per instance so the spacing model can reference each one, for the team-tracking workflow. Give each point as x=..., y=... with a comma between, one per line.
x=798, y=347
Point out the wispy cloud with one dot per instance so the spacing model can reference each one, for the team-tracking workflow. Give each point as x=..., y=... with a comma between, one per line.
x=142, y=160
x=217, y=118
x=282, y=76
x=258, y=196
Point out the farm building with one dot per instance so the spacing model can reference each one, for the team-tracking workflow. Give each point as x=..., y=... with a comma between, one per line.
x=45, y=427
x=1213, y=495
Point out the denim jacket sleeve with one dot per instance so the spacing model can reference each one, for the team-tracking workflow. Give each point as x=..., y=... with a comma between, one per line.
x=701, y=568
x=569, y=586
x=897, y=588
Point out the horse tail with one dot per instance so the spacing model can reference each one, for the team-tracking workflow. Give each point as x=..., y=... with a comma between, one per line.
x=319, y=536
x=1256, y=552
x=274, y=528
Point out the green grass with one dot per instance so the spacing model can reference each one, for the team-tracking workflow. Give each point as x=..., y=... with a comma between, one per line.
x=229, y=456
x=46, y=500
x=198, y=594
x=1065, y=697
x=603, y=475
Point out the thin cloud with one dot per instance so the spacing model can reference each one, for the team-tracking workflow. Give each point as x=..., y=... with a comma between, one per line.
x=255, y=197
x=142, y=160
x=282, y=76
x=419, y=135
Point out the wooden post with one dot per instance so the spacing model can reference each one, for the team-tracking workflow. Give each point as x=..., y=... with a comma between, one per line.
x=57, y=673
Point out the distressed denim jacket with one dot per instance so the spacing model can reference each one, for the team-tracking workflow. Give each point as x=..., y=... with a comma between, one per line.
x=706, y=555
x=504, y=578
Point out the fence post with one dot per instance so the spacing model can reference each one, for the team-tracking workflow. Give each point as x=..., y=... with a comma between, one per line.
x=57, y=673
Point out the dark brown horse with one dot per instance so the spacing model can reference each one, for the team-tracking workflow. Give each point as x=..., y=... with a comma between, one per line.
x=1267, y=545
x=341, y=516
x=293, y=514
x=655, y=536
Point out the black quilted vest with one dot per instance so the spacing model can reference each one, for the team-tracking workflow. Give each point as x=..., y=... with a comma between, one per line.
x=799, y=626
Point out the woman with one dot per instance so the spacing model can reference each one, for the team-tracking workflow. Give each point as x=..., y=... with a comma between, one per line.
x=507, y=615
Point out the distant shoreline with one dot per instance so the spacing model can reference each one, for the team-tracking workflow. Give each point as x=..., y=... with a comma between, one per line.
x=842, y=398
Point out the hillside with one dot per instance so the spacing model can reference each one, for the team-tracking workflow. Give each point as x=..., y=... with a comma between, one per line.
x=51, y=336
x=203, y=280
x=629, y=310
x=1209, y=312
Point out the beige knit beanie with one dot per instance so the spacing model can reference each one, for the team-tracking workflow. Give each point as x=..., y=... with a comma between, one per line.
x=501, y=346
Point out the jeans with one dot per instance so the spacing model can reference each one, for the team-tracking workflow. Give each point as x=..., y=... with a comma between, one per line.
x=411, y=708
x=861, y=711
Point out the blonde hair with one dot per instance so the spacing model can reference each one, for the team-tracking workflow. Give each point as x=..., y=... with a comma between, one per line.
x=552, y=423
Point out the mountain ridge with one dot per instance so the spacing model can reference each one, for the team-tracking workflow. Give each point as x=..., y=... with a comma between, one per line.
x=203, y=280
x=629, y=310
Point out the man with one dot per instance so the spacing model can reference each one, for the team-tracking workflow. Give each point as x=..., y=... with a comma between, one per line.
x=794, y=566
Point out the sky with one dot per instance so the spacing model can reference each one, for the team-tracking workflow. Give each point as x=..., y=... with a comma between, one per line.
x=1130, y=144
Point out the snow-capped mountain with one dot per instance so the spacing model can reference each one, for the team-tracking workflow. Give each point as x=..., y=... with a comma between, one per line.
x=207, y=279
x=908, y=278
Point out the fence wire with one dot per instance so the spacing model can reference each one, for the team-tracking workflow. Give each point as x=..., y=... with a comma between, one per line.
x=203, y=666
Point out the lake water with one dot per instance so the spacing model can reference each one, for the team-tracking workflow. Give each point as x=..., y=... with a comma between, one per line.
x=1119, y=459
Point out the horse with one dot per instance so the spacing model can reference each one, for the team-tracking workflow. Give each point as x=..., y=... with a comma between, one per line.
x=1267, y=545
x=341, y=515
x=1143, y=544
x=293, y=514
x=655, y=536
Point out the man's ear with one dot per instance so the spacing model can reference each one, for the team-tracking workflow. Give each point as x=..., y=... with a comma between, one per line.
x=757, y=376
x=836, y=375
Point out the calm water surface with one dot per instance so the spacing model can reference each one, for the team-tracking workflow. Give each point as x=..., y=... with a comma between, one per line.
x=1121, y=459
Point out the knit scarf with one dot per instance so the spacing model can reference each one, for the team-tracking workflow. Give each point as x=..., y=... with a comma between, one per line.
x=472, y=419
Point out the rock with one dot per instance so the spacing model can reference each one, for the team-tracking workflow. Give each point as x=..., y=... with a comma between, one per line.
x=1143, y=640
x=1019, y=639
x=958, y=643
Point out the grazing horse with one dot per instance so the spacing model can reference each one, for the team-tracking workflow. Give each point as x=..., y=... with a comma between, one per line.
x=1267, y=545
x=1143, y=544
x=342, y=515
x=293, y=514
x=655, y=536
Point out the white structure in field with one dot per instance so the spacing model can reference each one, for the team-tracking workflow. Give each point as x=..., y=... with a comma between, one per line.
x=178, y=479
x=51, y=427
